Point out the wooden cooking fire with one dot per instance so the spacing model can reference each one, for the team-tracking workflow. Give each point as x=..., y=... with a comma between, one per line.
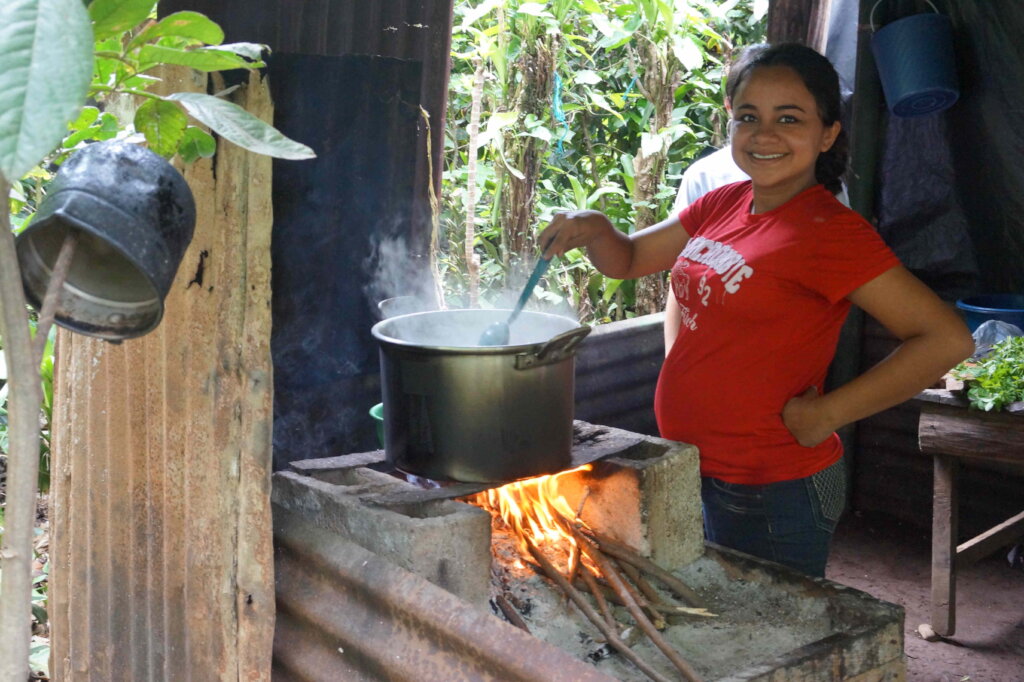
x=382, y=578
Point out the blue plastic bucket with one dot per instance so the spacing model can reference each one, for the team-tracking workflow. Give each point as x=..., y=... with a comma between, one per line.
x=1006, y=307
x=916, y=64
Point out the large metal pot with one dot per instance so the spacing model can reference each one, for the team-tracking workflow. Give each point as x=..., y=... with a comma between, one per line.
x=454, y=410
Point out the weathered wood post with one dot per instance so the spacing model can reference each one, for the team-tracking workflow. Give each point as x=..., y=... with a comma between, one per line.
x=162, y=556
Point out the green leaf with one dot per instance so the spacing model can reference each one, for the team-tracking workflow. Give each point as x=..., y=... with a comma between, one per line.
x=237, y=125
x=41, y=88
x=598, y=100
x=534, y=9
x=202, y=59
x=688, y=53
x=113, y=17
x=253, y=51
x=163, y=123
x=651, y=144
x=109, y=126
x=197, y=143
x=495, y=124
x=601, y=191
x=611, y=286
x=579, y=193
x=191, y=25
x=85, y=118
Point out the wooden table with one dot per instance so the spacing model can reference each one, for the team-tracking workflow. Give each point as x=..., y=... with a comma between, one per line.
x=949, y=432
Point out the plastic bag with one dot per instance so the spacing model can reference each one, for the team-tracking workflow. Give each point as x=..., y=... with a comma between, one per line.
x=991, y=332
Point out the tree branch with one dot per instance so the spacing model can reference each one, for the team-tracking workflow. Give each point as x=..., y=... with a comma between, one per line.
x=24, y=402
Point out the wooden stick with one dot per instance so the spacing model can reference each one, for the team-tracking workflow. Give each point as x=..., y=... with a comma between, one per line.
x=620, y=551
x=647, y=598
x=611, y=574
x=610, y=635
x=595, y=590
x=510, y=613
x=48, y=309
x=574, y=563
x=608, y=594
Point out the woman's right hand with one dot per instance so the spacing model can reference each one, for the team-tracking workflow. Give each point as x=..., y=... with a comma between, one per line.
x=574, y=229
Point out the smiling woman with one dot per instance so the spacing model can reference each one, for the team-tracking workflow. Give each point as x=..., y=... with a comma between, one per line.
x=765, y=271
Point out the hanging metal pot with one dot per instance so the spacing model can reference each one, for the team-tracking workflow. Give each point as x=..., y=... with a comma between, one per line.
x=133, y=216
x=454, y=410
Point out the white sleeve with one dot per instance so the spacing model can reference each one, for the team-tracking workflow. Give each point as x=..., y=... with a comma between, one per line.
x=705, y=174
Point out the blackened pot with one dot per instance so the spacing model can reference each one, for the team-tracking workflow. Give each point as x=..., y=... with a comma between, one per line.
x=134, y=216
x=454, y=410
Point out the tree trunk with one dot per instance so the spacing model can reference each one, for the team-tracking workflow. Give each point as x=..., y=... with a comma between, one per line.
x=25, y=400
x=472, y=260
x=799, y=21
x=524, y=153
x=661, y=77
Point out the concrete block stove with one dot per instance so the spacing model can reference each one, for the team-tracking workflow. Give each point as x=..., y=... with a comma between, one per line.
x=379, y=578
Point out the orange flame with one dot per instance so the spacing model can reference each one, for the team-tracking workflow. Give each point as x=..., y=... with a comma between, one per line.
x=533, y=509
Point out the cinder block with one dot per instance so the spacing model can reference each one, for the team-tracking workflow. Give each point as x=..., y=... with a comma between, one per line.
x=445, y=542
x=893, y=671
x=644, y=493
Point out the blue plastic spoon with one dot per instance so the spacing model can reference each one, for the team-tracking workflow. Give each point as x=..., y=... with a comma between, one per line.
x=497, y=333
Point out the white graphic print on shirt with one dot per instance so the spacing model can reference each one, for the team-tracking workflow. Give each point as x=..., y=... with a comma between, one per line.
x=729, y=264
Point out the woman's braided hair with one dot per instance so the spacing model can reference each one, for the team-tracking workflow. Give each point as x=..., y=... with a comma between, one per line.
x=820, y=79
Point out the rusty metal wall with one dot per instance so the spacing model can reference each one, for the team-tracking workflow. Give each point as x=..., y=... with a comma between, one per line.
x=419, y=30
x=161, y=544
x=617, y=368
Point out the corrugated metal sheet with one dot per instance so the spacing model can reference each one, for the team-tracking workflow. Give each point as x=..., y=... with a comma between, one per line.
x=162, y=557
x=341, y=242
x=617, y=368
x=404, y=29
x=346, y=614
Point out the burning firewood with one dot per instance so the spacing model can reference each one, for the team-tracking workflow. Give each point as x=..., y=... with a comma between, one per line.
x=609, y=632
x=539, y=516
x=613, y=576
x=624, y=553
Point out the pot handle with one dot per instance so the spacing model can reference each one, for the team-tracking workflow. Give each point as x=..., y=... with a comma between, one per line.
x=554, y=350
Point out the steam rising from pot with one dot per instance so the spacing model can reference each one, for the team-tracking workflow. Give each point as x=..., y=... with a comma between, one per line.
x=400, y=283
x=397, y=271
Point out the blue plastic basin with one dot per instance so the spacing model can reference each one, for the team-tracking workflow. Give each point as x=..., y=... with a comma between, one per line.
x=1006, y=307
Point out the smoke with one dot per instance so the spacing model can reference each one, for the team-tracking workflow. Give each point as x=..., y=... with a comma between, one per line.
x=400, y=279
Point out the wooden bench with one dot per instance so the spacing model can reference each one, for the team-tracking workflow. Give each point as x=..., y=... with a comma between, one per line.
x=950, y=432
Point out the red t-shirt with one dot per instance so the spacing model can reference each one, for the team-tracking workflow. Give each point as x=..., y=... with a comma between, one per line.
x=762, y=299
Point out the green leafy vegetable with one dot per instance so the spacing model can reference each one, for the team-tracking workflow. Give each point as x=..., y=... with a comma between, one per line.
x=997, y=379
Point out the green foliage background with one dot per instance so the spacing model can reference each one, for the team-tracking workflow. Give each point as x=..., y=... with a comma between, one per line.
x=597, y=123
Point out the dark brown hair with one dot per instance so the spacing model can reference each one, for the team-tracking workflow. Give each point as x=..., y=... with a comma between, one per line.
x=820, y=79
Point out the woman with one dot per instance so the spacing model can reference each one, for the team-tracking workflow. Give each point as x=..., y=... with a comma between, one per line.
x=764, y=272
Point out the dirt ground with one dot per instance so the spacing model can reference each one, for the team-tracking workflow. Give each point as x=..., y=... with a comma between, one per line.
x=891, y=561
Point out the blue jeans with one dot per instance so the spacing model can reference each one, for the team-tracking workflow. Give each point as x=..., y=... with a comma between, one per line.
x=790, y=522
